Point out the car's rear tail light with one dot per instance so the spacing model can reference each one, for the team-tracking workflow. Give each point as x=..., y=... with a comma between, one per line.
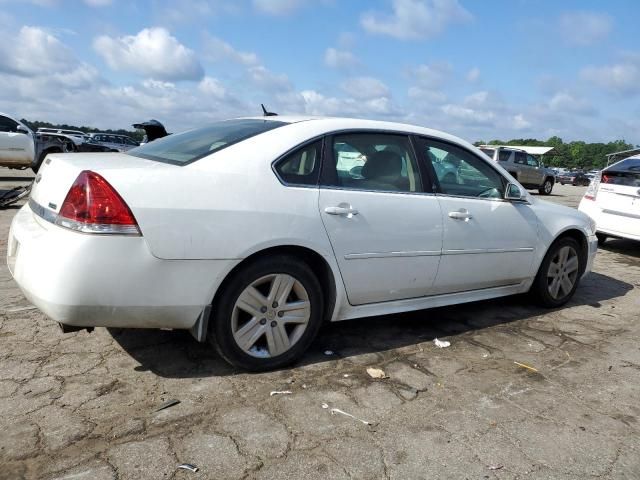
x=93, y=206
x=592, y=190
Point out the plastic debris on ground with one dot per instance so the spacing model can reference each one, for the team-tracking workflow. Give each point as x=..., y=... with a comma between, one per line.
x=12, y=196
x=188, y=466
x=328, y=352
x=441, y=343
x=526, y=366
x=167, y=404
x=337, y=411
x=495, y=467
x=376, y=373
x=280, y=392
x=21, y=309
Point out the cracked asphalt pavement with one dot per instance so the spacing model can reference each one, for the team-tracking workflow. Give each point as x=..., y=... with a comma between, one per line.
x=83, y=405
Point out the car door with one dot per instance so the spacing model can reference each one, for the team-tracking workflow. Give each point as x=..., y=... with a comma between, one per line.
x=536, y=174
x=384, y=226
x=487, y=241
x=15, y=147
x=524, y=171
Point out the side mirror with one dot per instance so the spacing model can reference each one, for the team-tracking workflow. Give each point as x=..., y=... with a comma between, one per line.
x=22, y=129
x=513, y=192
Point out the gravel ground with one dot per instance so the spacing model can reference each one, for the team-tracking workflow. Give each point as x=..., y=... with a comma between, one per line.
x=83, y=406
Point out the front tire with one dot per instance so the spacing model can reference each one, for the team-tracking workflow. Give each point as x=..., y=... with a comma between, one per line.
x=559, y=273
x=268, y=314
x=546, y=188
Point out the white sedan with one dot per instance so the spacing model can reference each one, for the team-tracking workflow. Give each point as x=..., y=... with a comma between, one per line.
x=613, y=200
x=251, y=233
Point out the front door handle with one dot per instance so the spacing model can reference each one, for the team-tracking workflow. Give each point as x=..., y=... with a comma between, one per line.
x=341, y=210
x=462, y=214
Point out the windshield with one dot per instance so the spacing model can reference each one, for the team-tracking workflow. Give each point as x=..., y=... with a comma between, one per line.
x=186, y=147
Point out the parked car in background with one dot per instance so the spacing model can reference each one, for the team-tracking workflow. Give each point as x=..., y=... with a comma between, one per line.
x=523, y=167
x=120, y=143
x=251, y=233
x=613, y=200
x=17, y=143
x=77, y=136
x=574, y=178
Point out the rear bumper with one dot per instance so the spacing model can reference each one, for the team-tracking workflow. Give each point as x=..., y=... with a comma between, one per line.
x=611, y=224
x=107, y=281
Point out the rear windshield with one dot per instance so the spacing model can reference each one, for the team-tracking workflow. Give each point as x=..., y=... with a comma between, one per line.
x=186, y=147
x=625, y=172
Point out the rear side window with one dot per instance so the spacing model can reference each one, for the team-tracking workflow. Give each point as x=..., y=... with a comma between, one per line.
x=521, y=158
x=504, y=155
x=301, y=167
x=192, y=145
x=488, y=152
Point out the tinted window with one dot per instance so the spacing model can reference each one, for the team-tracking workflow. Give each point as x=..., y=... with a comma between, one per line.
x=192, y=145
x=373, y=161
x=521, y=158
x=7, y=125
x=302, y=166
x=625, y=172
x=461, y=173
x=488, y=151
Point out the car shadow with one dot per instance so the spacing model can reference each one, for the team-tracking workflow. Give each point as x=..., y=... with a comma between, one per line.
x=629, y=248
x=175, y=354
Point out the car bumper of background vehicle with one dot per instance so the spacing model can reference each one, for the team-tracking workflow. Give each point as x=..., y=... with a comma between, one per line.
x=623, y=226
x=107, y=281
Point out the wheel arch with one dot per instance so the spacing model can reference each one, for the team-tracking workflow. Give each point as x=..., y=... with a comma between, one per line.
x=580, y=237
x=317, y=263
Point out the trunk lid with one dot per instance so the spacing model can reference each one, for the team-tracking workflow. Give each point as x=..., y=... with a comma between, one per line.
x=59, y=171
x=619, y=193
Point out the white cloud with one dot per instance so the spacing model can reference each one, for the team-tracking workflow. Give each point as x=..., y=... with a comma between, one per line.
x=585, y=28
x=415, y=19
x=217, y=50
x=277, y=7
x=34, y=51
x=567, y=103
x=315, y=103
x=269, y=81
x=426, y=96
x=520, y=123
x=212, y=87
x=467, y=115
x=340, y=59
x=365, y=88
x=433, y=75
x=473, y=75
x=153, y=52
x=621, y=78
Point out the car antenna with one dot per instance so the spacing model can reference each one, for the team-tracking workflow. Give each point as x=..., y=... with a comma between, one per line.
x=267, y=113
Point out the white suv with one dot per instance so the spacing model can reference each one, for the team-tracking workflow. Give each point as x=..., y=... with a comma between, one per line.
x=17, y=147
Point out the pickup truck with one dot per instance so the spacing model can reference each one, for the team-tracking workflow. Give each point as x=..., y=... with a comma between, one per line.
x=523, y=167
x=21, y=148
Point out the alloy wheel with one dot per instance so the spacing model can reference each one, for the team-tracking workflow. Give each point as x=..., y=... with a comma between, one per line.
x=563, y=272
x=270, y=315
x=548, y=186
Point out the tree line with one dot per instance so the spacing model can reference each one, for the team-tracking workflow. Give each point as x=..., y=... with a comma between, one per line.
x=34, y=125
x=575, y=155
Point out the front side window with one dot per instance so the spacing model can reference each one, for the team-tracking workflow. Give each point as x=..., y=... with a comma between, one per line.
x=532, y=162
x=7, y=125
x=301, y=167
x=186, y=147
x=373, y=161
x=461, y=173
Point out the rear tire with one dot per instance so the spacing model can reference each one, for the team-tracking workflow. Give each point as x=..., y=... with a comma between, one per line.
x=559, y=273
x=273, y=335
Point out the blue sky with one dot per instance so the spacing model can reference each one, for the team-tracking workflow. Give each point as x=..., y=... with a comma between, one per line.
x=479, y=69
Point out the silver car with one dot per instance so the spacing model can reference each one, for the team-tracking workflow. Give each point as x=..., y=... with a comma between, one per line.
x=525, y=168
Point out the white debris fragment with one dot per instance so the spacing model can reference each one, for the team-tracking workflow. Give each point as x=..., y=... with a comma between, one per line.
x=346, y=375
x=325, y=406
x=376, y=373
x=22, y=309
x=335, y=411
x=485, y=355
x=280, y=392
x=441, y=343
x=328, y=352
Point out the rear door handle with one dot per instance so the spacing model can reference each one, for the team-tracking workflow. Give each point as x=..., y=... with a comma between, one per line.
x=344, y=211
x=461, y=214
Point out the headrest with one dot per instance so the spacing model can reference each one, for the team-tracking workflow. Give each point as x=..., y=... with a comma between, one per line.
x=383, y=164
